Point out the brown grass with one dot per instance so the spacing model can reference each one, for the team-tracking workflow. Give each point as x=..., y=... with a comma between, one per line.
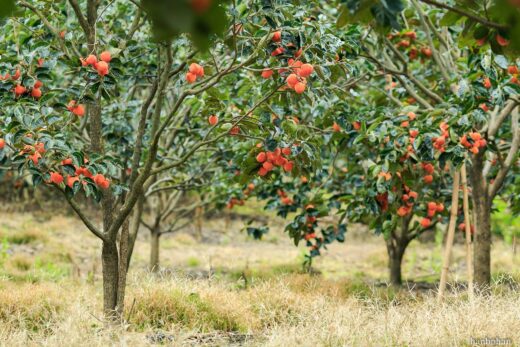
x=255, y=294
x=293, y=310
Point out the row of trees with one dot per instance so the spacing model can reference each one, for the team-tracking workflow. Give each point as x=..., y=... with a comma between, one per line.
x=135, y=104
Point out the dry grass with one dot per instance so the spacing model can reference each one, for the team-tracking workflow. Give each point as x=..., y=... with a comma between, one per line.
x=255, y=294
x=293, y=310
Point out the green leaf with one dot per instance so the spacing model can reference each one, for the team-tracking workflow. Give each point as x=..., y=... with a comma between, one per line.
x=450, y=18
x=343, y=17
x=501, y=61
x=7, y=7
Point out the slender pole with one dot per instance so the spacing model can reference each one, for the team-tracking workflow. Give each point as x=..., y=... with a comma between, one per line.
x=467, y=224
x=451, y=235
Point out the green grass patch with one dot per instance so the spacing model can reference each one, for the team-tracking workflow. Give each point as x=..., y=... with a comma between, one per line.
x=166, y=309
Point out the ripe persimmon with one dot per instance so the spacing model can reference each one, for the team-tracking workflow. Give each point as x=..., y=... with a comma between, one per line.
x=292, y=80
x=19, y=90
x=102, y=68
x=213, y=119
x=267, y=73
x=91, y=60
x=190, y=77
x=277, y=36
x=277, y=51
x=56, y=178
x=426, y=222
x=105, y=56
x=79, y=110
x=513, y=70
x=299, y=87
x=71, y=180
x=36, y=93
x=428, y=179
x=261, y=157
x=306, y=70
x=502, y=41
x=196, y=69
x=268, y=166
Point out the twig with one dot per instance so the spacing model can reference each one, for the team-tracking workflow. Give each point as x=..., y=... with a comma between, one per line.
x=451, y=235
x=466, y=14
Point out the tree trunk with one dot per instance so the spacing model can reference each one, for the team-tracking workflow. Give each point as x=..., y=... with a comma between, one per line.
x=154, y=251
x=135, y=223
x=482, y=222
x=482, y=250
x=395, y=259
x=110, y=265
x=396, y=246
x=123, y=267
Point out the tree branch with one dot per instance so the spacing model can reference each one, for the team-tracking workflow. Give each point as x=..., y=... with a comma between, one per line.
x=83, y=217
x=470, y=15
x=203, y=143
x=496, y=120
x=436, y=56
x=511, y=156
x=49, y=26
x=81, y=18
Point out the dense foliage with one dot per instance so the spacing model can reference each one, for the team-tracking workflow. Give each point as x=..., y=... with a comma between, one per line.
x=356, y=111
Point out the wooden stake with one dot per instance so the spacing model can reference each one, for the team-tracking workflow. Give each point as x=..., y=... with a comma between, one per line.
x=451, y=235
x=467, y=224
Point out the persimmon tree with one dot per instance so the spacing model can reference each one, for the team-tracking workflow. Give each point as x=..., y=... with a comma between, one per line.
x=465, y=93
x=93, y=91
x=436, y=97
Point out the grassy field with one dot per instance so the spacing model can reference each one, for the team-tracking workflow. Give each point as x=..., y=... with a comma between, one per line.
x=222, y=288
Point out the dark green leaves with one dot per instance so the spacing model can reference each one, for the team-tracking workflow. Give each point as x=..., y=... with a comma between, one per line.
x=385, y=12
x=171, y=18
x=6, y=8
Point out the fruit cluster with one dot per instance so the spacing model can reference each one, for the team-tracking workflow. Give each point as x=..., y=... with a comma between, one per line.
x=235, y=201
x=77, y=109
x=474, y=142
x=440, y=142
x=101, y=65
x=279, y=157
x=19, y=89
x=311, y=222
x=513, y=71
x=413, y=133
x=409, y=197
x=499, y=39
x=406, y=41
x=34, y=153
x=82, y=172
x=429, y=170
x=433, y=208
x=194, y=71
x=296, y=73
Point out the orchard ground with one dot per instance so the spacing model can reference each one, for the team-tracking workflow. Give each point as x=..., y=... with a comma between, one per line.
x=221, y=287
